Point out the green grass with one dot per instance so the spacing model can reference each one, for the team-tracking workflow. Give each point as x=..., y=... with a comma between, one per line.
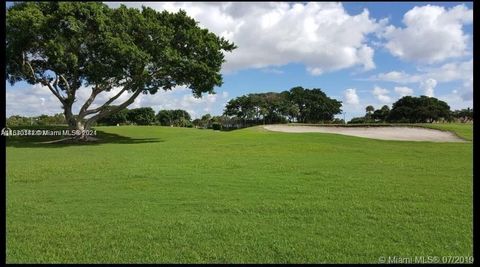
x=463, y=130
x=172, y=195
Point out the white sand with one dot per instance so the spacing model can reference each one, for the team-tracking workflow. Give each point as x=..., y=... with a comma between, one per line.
x=383, y=133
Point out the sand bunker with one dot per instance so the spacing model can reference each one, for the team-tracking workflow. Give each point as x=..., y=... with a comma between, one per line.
x=383, y=133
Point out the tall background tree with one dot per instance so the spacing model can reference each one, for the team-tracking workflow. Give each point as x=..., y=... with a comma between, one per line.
x=369, y=110
x=176, y=117
x=72, y=46
x=296, y=105
x=419, y=109
x=142, y=116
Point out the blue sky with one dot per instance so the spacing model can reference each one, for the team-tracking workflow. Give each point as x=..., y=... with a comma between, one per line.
x=359, y=53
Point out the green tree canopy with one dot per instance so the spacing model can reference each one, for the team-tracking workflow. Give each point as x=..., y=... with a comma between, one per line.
x=176, y=117
x=418, y=109
x=119, y=117
x=71, y=46
x=142, y=116
x=297, y=104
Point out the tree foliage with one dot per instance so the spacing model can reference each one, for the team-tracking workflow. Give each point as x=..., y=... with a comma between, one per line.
x=119, y=117
x=141, y=116
x=177, y=117
x=297, y=104
x=42, y=120
x=463, y=115
x=71, y=46
x=418, y=109
x=380, y=115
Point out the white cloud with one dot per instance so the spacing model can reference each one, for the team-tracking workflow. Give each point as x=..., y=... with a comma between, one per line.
x=428, y=87
x=461, y=71
x=272, y=70
x=452, y=71
x=31, y=100
x=403, y=91
x=395, y=76
x=351, y=97
x=323, y=36
x=467, y=90
x=456, y=100
x=432, y=34
x=381, y=94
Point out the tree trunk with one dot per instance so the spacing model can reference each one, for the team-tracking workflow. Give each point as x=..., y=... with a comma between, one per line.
x=72, y=123
x=76, y=126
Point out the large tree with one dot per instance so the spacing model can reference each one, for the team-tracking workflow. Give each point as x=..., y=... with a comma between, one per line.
x=298, y=104
x=68, y=46
x=177, y=117
x=314, y=105
x=418, y=109
x=142, y=116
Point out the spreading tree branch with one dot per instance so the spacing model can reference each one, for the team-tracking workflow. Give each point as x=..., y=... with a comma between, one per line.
x=95, y=91
x=52, y=89
x=43, y=81
x=105, y=105
x=67, y=85
x=107, y=112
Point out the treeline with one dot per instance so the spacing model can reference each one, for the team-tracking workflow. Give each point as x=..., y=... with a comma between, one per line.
x=42, y=120
x=147, y=116
x=173, y=118
x=410, y=109
x=137, y=116
x=222, y=122
x=296, y=105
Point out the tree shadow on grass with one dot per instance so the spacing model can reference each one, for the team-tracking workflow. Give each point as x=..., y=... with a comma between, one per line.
x=49, y=141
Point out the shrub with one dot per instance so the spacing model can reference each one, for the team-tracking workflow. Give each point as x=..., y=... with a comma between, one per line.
x=216, y=126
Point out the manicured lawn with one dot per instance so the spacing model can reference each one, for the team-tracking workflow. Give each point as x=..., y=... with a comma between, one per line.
x=464, y=130
x=172, y=195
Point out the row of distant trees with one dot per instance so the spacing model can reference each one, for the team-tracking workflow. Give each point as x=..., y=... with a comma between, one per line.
x=137, y=116
x=42, y=120
x=267, y=108
x=174, y=118
x=411, y=109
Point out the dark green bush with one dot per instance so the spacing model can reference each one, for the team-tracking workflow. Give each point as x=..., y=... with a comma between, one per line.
x=216, y=126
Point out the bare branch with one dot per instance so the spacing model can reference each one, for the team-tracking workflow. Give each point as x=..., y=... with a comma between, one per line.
x=31, y=69
x=95, y=91
x=43, y=81
x=55, y=85
x=105, y=105
x=67, y=85
x=105, y=113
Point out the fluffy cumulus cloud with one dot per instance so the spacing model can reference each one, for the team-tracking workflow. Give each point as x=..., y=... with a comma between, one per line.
x=457, y=100
x=37, y=99
x=452, y=71
x=31, y=101
x=381, y=94
x=323, y=36
x=428, y=87
x=395, y=76
x=403, y=90
x=427, y=78
x=350, y=96
x=431, y=34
